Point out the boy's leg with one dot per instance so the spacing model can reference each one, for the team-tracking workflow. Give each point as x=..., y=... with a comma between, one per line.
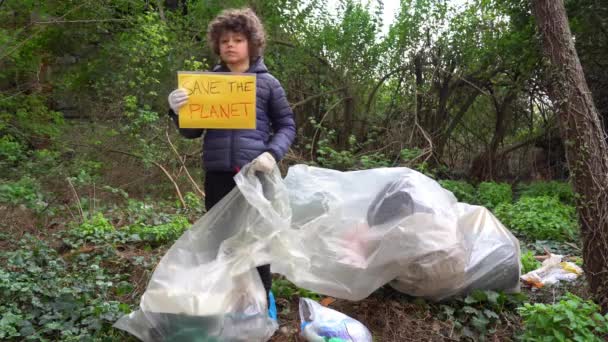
x=217, y=185
x=266, y=276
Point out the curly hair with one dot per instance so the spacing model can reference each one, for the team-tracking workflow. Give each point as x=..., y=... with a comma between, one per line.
x=243, y=21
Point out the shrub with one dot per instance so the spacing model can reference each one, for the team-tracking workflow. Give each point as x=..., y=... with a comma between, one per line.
x=490, y=194
x=283, y=288
x=528, y=262
x=11, y=151
x=463, y=191
x=572, y=319
x=161, y=233
x=539, y=218
x=479, y=313
x=44, y=298
x=25, y=191
x=97, y=227
x=562, y=190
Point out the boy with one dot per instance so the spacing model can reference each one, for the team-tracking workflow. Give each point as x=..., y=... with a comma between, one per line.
x=238, y=37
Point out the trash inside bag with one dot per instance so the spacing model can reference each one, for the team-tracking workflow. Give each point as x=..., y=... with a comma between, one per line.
x=340, y=234
x=322, y=324
x=206, y=287
x=552, y=271
x=353, y=232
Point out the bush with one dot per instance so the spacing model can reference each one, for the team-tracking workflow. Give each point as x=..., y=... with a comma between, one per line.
x=11, y=151
x=44, y=298
x=572, y=319
x=539, y=218
x=194, y=206
x=161, y=233
x=490, y=194
x=28, y=116
x=25, y=191
x=283, y=288
x=562, y=190
x=528, y=262
x=479, y=313
x=463, y=191
x=97, y=227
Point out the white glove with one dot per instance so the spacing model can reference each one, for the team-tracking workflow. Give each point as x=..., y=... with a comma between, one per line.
x=264, y=163
x=177, y=99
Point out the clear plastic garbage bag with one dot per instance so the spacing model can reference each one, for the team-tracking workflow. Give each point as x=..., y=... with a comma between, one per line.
x=353, y=232
x=320, y=323
x=341, y=234
x=206, y=287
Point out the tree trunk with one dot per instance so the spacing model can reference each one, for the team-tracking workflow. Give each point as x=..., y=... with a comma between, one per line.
x=348, y=117
x=584, y=139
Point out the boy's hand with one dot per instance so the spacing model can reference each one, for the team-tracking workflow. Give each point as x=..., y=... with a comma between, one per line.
x=177, y=99
x=265, y=163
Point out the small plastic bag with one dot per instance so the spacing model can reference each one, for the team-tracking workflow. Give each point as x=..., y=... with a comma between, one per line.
x=322, y=324
x=553, y=270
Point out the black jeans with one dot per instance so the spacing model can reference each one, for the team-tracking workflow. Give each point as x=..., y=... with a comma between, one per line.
x=218, y=185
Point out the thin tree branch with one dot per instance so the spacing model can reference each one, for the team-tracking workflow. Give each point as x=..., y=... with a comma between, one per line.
x=76, y=21
x=299, y=103
x=179, y=193
x=380, y=82
x=35, y=33
x=177, y=190
x=198, y=189
x=314, y=137
x=77, y=199
x=465, y=80
x=463, y=110
x=161, y=11
x=526, y=142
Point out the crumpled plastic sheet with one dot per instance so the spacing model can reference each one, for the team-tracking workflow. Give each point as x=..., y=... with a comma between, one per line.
x=341, y=234
x=552, y=271
x=320, y=323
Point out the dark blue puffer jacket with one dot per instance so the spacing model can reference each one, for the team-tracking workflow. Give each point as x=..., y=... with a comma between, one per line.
x=229, y=150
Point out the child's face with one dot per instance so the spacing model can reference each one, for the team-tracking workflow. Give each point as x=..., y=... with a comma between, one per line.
x=234, y=48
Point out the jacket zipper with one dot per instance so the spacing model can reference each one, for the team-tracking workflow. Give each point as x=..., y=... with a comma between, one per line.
x=234, y=166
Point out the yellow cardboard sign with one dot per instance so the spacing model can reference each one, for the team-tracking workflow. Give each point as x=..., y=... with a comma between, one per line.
x=218, y=100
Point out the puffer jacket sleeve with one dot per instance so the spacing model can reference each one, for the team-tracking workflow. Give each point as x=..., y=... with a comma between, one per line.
x=282, y=121
x=189, y=133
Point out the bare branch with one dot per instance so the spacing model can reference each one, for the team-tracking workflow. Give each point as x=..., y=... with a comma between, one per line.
x=196, y=187
x=77, y=199
x=162, y=168
x=299, y=103
x=36, y=32
x=75, y=21
x=161, y=11
x=314, y=137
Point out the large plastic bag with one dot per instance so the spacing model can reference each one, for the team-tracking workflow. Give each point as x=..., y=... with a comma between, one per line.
x=353, y=232
x=342, y=234
x=206, y=287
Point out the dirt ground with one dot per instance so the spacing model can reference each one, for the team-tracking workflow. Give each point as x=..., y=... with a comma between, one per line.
x=389, y=315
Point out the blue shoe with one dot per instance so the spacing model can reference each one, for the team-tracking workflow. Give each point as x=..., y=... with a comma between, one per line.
x=272, y=306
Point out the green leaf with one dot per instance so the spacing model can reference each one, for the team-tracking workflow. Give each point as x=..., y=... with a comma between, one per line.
x=492, y=297
x=470, y=310
x=491, y=314
x=470, y=299
x=480, y=323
